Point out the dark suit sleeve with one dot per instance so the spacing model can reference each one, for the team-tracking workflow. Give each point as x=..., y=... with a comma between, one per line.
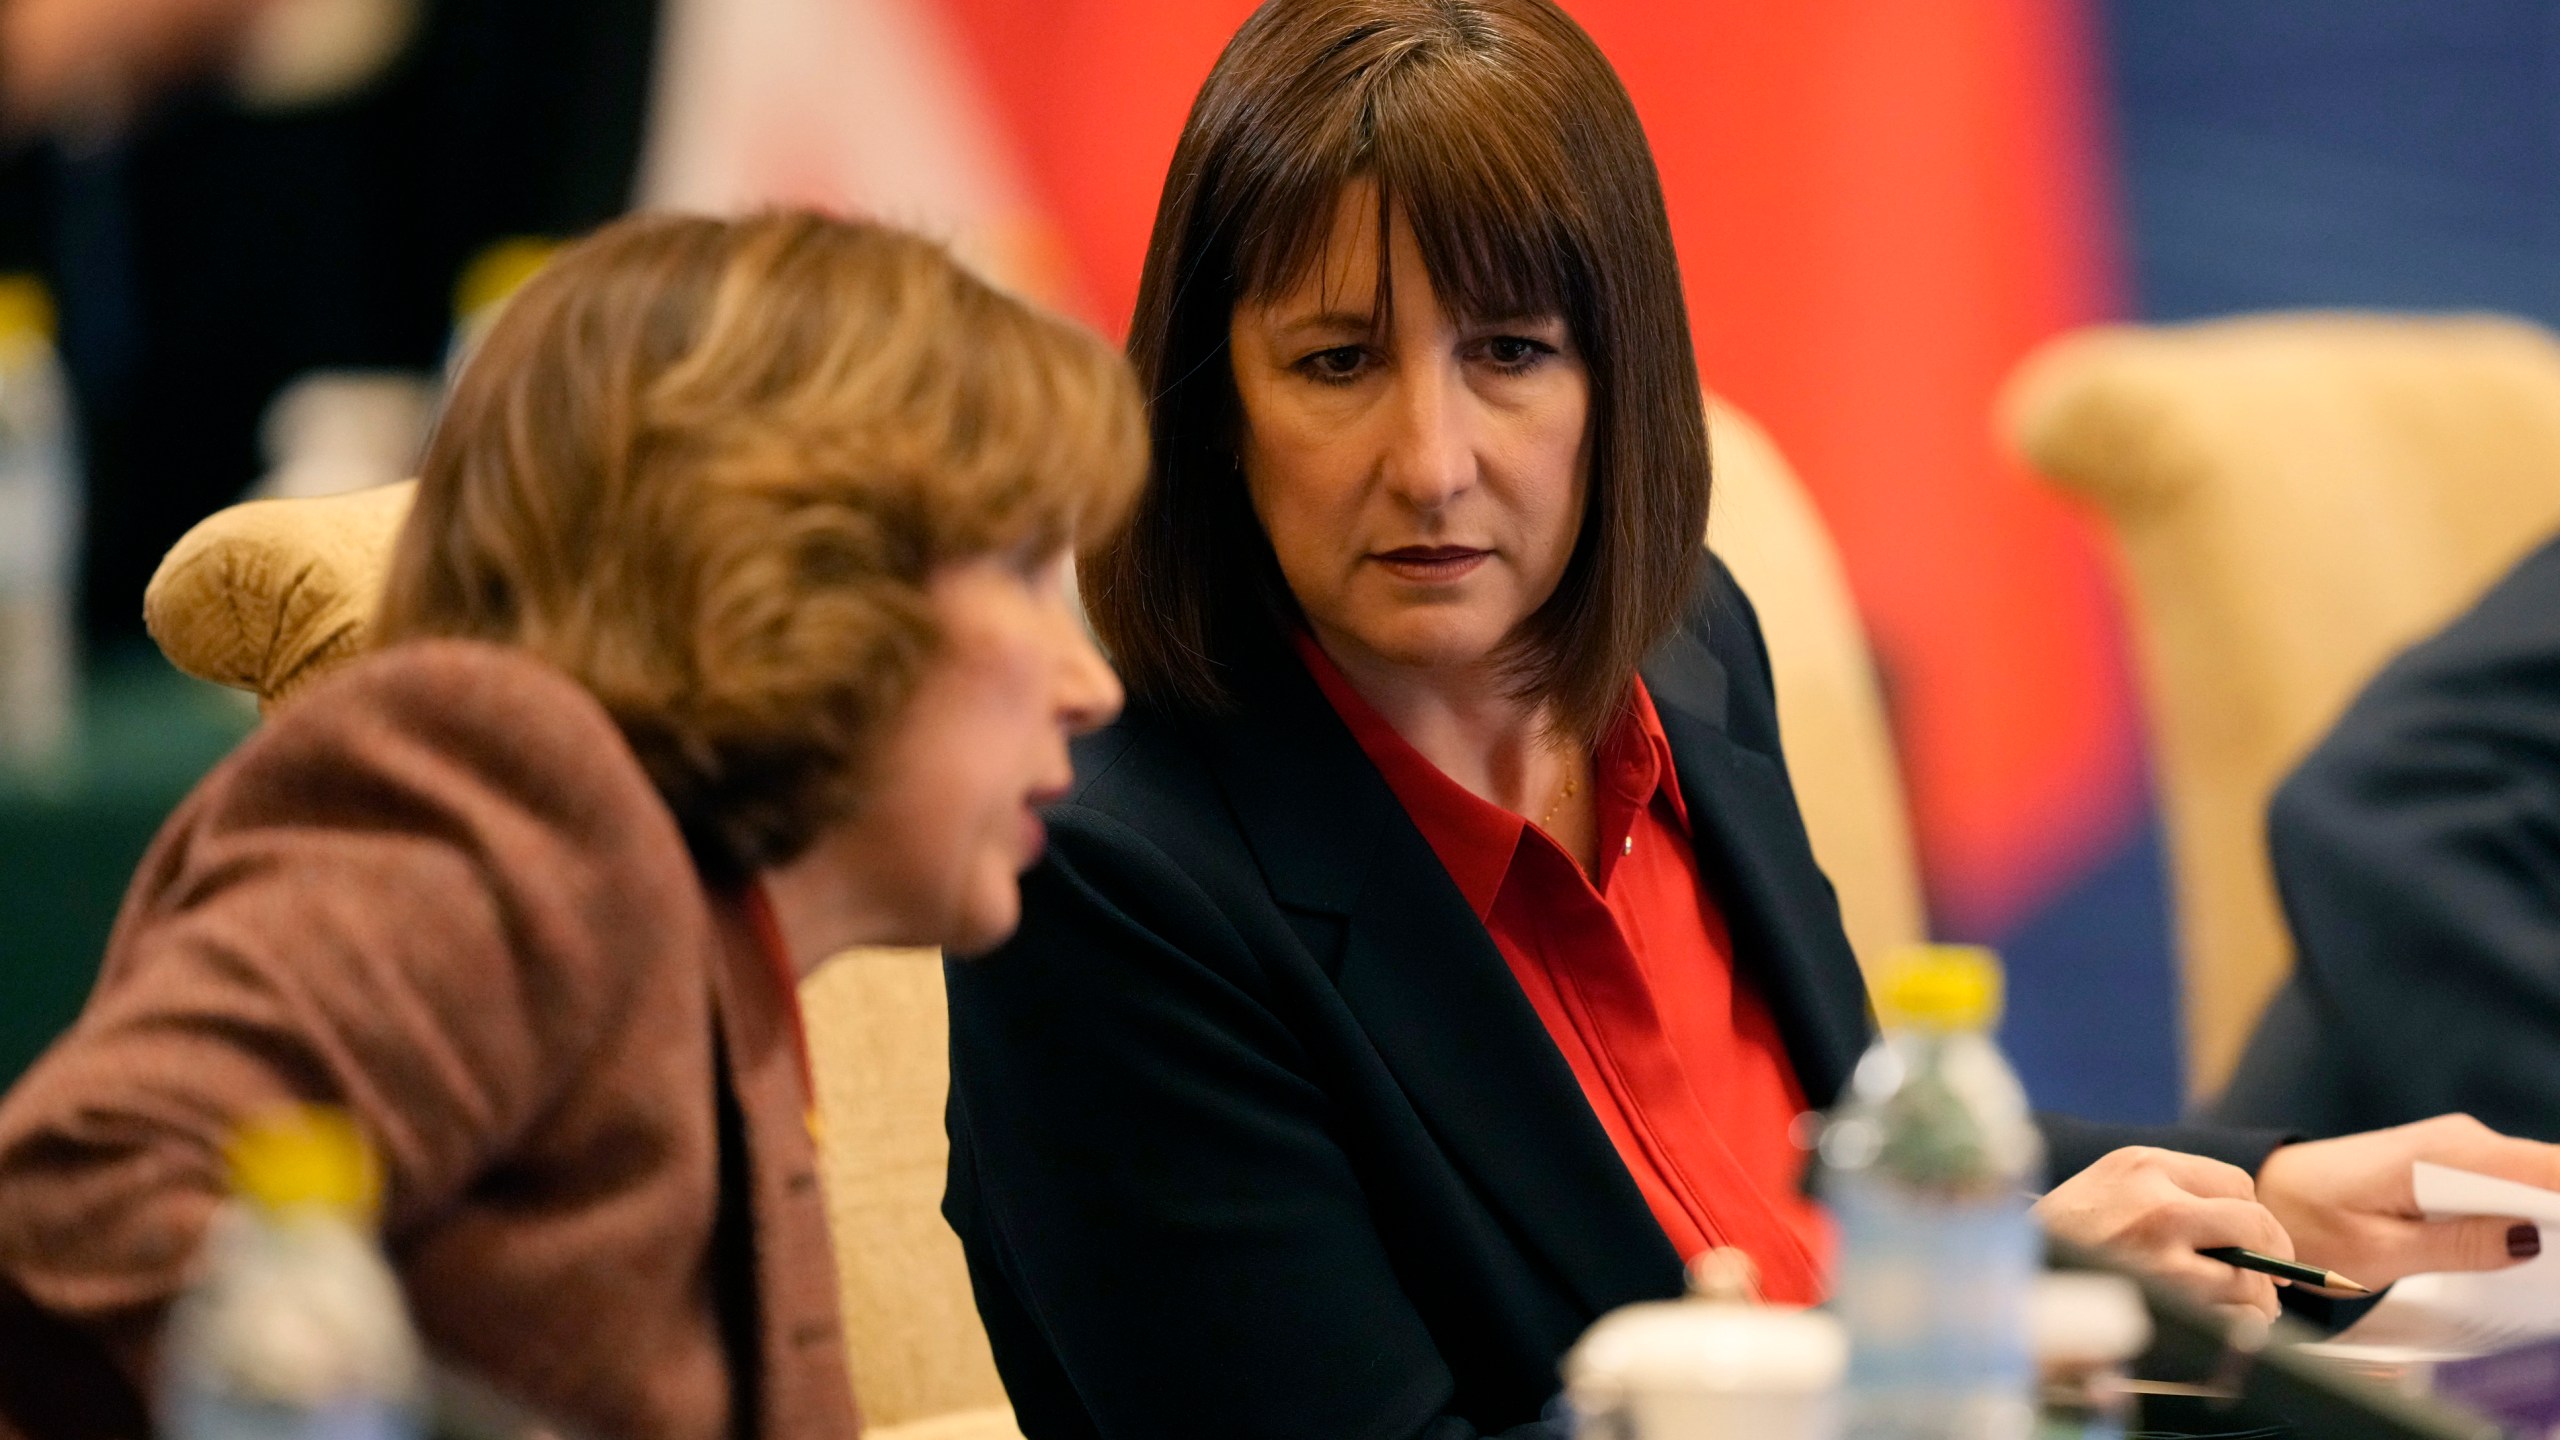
x=2417, y=851
x=2073, y=1145
x=1166, y=1232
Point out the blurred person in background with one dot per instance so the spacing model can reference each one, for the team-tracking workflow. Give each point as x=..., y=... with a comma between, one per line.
x=229, y=195
x=2417, y=853
x=729, y=630
x=1434, y=959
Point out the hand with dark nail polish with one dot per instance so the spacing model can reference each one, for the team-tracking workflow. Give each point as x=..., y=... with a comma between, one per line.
x=2350, y=1204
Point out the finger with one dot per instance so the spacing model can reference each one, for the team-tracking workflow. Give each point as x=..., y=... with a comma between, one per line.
x=2248, y=1314
x=2213, y=1283
x=2201, y=1224
x=2468, y=1145
x=2200, y=1175
x=2263, y=1299
x=2475, y=1242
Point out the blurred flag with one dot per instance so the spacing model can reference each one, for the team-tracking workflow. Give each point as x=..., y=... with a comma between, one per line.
x=1881, y=207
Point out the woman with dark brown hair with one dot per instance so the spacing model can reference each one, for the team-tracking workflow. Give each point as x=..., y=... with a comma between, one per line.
x=1433, y=959
x=729, y=630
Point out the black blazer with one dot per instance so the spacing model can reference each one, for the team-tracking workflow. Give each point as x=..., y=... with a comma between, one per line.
x=1252, y=1131
x=2417, y=850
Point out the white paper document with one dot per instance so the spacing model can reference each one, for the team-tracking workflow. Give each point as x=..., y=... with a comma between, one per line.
x=2451, y=1315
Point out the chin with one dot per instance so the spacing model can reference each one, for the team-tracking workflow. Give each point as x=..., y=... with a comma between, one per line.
x=1437, y=646
x=985, y=926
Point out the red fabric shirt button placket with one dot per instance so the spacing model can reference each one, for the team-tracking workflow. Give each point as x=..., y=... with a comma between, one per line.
x=1631, y=972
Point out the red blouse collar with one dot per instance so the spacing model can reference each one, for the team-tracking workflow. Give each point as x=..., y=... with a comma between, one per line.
x=1475, y=838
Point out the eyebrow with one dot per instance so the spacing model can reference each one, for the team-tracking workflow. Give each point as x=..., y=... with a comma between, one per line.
x=1337, y=319
x=1361, y=320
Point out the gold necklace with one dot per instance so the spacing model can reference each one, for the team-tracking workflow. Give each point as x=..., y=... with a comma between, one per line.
x=1547, y=821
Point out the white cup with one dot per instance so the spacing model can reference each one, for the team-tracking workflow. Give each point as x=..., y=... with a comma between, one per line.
x=1708, y=1370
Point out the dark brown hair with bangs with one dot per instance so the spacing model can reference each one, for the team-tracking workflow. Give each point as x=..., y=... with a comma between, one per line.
x=1500, y=132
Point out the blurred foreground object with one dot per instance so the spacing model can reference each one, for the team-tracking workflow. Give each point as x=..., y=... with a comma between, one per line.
x=294, y=1328
x=39, y=534
x=2293, y=498
x=2087, y=1329
x=1708, y=1366
x=1926, y=1164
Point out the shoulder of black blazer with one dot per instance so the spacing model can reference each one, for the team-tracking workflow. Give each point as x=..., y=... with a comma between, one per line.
x=1322, y=833
x=1275, y=805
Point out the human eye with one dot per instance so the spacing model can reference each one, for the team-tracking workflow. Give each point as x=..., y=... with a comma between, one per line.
x=1514, y=354
x=1334, y=364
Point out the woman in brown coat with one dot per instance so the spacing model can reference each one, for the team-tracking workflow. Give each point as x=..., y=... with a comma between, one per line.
x=730, y=630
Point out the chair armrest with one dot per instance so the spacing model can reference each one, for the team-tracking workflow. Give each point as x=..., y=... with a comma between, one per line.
x=267, y=595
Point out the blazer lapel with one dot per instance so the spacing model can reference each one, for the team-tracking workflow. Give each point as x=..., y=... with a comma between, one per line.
x=1753, y=850
x=1434, y=995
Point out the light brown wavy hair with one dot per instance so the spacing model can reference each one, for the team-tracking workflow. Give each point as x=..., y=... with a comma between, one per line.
x=705, y=467
x=1498, y=129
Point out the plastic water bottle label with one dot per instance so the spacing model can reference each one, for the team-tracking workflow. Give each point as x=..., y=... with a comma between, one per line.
x=1933, y=1292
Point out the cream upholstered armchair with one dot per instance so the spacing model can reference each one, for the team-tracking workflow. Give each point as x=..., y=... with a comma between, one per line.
x=1830, y=707
x=268, y=595
x=2294, y=498
x=265, y=596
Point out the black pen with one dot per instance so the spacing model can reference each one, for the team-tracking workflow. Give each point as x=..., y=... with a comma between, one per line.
x=2291, y=1270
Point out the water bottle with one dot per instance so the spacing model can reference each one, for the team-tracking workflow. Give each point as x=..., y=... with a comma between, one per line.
x=39, y=535
x=294, y=1328
x=1925, y=1166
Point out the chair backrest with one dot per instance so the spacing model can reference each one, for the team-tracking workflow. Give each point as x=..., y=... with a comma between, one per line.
x=2293, y=498
x=264, y=596
x=1830, y=707
x=879, y=1045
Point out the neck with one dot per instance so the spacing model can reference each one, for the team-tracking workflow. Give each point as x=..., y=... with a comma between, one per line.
x=822, y=910
x=1469, y=725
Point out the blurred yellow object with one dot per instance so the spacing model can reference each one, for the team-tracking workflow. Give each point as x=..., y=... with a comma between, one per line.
x=1940, y=987
x=26, y=308
x=2294, y=498
x=496, y=274
x=307, y=1155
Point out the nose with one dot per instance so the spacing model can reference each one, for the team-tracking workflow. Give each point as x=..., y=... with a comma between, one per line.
x=1089, y=692
x=1431, y=458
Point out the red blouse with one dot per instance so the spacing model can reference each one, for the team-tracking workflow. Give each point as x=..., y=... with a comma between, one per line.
x=1631, y=971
